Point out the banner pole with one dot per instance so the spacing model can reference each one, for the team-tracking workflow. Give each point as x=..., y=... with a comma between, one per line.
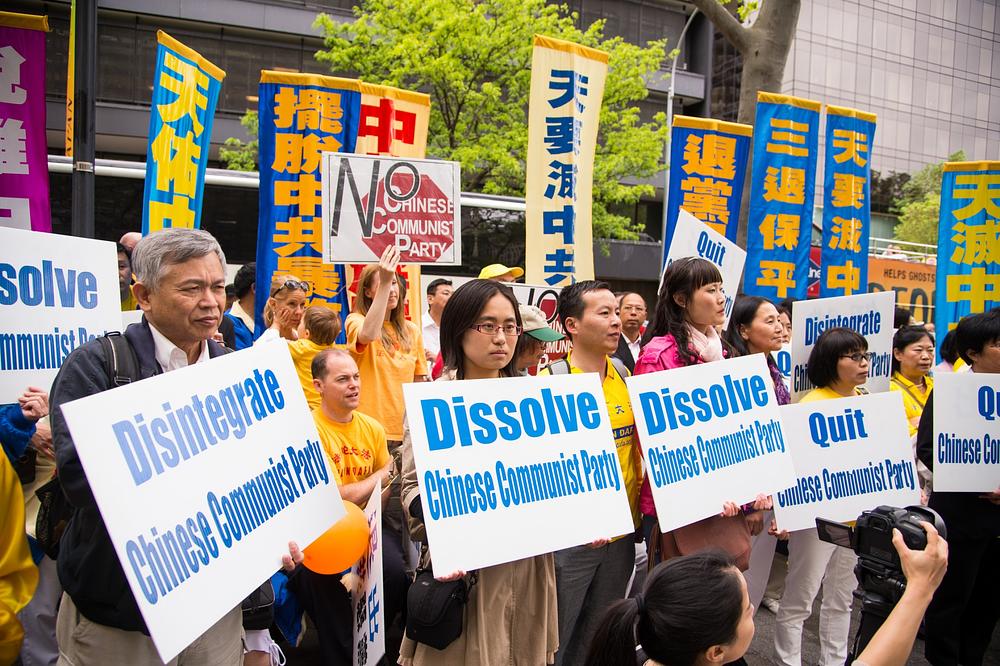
x=85, y=56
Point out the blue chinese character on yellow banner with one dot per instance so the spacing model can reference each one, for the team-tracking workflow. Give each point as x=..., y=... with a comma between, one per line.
x=782, y=185
x=185, y=91
x=968, y=265
x=708, y=161
x=846, y=205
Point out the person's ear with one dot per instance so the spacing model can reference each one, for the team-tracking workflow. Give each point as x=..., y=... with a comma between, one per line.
x=571, y=325
x=680, y=300
x=318, y=385
x=896, y=354
x=716, y=654
x=141, y=293
x=743, y=332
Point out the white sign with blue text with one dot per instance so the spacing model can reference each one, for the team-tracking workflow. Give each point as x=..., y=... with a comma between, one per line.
x=203, y=475
x=368, y=592
x=512, y=468
x=56, y=292
x=694, y=238
x=851, y=455
x=710, y=434
x=870, y=315
x=967, y=432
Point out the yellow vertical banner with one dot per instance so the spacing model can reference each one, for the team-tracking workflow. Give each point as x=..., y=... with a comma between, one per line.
x=567, y=87
x=71, y=79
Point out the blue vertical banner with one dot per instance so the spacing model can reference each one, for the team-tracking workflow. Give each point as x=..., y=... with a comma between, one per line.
x=782, y=187
x=708, y=162
x=968, y=264
x=185, y=91
x=301, y=116
x=846, y=202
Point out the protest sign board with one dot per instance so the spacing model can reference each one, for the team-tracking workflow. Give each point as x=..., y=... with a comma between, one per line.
x=710, y=434
x=56, y=292
x=967, y=432
x=368, y=593
x=694, y=238
x=539, y=451
x=868, y=314
x=850, y=455
x=236, y=472
x=783, y=359
x=543, y=297
x=372, y=202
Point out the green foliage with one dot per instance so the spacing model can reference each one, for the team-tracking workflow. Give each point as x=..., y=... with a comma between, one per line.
x=473, y=57
x=238, y=155
x=919, y=205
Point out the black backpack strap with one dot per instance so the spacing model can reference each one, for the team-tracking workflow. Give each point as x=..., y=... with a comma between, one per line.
x=120, y=361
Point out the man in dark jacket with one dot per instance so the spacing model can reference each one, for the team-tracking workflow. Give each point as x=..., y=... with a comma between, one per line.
x=180, y=286
x=963, y=614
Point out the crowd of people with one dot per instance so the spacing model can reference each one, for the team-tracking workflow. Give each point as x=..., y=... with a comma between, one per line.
x=686, y=596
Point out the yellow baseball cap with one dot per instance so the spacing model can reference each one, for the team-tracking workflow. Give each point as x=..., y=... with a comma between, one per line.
x=495, y=270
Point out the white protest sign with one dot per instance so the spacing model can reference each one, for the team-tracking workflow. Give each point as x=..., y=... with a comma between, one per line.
x=495, y=456
x=56, y=292
x=868, y=314
x=967, y=432
x=371, y=202
x=783, y=359
x=850, y=455
x=710, y=434
x=368, y=594
x=694, y=238
x=235, y=473
x=543, y=297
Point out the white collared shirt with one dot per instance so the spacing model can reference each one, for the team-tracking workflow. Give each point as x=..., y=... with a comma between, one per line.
x=241, y=314
x=170, y=356
x=633, y=347
x=431, y=336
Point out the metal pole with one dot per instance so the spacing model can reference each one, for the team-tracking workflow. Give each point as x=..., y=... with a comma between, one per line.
x=670, y=122
x=85, y=55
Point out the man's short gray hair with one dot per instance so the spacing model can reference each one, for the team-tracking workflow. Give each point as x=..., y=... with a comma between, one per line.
x=171, y=246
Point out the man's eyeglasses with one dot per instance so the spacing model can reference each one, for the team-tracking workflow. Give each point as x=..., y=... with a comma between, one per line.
x=293, y=285
x=509, y=330
x=858, y=357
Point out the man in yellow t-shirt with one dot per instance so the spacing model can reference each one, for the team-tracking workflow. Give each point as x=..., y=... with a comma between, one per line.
x=590, y=578
x=356, y=447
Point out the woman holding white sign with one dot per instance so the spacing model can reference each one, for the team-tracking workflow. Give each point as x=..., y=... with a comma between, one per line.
x=683, y=331
x=479, y=330
x=755, y=327
x=838, y=367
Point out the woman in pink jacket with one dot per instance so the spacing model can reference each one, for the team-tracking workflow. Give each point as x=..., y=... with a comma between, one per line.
x=683, y=332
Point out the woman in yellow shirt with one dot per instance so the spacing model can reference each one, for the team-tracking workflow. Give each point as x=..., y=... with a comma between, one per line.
x=912, y=359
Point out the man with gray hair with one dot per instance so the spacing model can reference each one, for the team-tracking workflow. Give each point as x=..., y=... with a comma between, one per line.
x=181, y=288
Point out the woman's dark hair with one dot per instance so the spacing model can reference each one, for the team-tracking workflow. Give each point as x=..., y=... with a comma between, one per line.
x=786, y=307
x=906, y=336
x=461, y=312
x=683, y=277
x=976, y=331
x=901, y=317
x=744, y=312
x=949, y=347
x=688, y=605
x=826, y=353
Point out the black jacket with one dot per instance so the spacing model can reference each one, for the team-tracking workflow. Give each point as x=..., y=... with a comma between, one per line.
x=966, y=515
x=88, y=566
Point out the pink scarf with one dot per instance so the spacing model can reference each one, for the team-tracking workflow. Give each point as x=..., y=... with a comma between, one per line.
x=709, y=347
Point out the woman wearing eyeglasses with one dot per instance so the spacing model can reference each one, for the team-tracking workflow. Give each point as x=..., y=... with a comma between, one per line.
x=286, y=305
x=838, y=368
x=510, y=617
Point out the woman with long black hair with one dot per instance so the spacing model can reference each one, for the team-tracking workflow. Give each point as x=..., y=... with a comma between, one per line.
x=510, y=616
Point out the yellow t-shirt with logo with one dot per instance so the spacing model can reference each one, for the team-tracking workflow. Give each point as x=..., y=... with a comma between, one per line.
x=356, y=449
x=303, y=352
x=623, y=427
x=383, y=373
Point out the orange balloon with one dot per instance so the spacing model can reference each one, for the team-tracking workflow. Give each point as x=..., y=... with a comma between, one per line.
x=338, y=548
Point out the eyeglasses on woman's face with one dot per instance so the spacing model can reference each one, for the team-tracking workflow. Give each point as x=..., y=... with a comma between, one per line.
x=860, y=357
x=491, y=329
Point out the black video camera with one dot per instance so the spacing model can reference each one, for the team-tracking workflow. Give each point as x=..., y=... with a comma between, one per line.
x=879, y=570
